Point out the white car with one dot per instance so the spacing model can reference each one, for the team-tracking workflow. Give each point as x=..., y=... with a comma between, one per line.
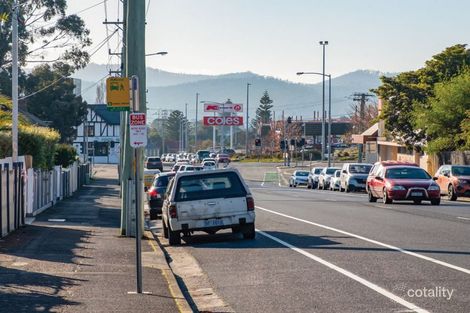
x=298, y=178
x=189, y=168
x=335, y=182
x=209, y=165
x=312, y=180
x=207, y=201
x=325, y=177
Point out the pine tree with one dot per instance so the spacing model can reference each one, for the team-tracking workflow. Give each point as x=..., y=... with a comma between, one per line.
x=263, y=115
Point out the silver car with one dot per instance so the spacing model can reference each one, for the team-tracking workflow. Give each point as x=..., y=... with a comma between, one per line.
x=325, y=177
x=335, y=180
x=298, y=178
x=354, y=176
x=312, y=180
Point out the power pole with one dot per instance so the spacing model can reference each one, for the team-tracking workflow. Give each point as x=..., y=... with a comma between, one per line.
x=247, y=116
x=185, y=140
x=361, y=97
x=134, y=65
x=14, y=80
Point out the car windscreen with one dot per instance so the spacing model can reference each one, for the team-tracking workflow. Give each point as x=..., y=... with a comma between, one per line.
x=318, y=171
x=209, y=164
x=331, y=171
x=461, y=170
x=217, y=185
x=302, y=174
x=406, y=173
x=359, y=169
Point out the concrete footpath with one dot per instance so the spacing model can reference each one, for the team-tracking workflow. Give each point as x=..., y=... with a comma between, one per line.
x=72, y=259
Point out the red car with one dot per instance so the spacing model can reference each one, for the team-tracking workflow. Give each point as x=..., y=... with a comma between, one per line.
x=222, y=158
x=454, y=180
x=403, y=183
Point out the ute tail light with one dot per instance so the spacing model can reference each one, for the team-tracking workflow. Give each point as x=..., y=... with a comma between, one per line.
x=172, y=211
x=250, y=204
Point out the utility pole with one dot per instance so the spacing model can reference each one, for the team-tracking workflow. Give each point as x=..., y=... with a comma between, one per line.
x=14, y=80
x=134, y=65
x=186, y=127
x=247, y=117
x=195, y=124
x=323, y=44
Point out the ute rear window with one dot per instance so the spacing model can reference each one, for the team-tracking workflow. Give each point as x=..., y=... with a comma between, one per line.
x=217, y=185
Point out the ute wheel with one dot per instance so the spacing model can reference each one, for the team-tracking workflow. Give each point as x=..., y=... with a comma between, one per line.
x=347, y=189
x=417, y=201
x=451, y=195
x=371, y=197
x=309, y=186
x=249, y=231
x=436, y=201
x=165, y=229
x=290, y=185
x=174, y=237
x=386, y=199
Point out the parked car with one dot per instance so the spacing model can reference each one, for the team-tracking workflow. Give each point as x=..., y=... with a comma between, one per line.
x=454, y=180
x=207, y=201
x=209, y=165
x=189, y=168
x=156, y=191
x=354, y=176
x=324, y=178
x=177, y=166
x=153, y=162
x=298, y=178
x=335, y=181
x=149, y=175
x=222, y=158
x=202, y=154
x=380, y=167
x=400, y=182
x=312, y=181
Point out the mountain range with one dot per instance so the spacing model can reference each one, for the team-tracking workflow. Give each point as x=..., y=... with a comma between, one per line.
x=170, y=91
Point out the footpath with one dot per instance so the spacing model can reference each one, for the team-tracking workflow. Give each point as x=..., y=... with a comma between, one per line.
x=72, y=259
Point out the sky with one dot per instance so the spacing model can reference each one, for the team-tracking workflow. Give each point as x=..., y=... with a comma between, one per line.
x=281, y=37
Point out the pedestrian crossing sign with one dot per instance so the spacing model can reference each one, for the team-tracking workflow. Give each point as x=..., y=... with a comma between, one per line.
x=118, y=94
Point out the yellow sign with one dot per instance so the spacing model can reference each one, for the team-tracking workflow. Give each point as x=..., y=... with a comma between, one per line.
x=118, y=93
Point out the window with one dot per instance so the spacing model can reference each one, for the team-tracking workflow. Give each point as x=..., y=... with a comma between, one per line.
x=359, y=169
x=219, y=185
x=407, y=173
x=90, y=130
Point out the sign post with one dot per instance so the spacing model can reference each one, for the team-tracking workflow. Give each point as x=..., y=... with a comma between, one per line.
x=138, y=140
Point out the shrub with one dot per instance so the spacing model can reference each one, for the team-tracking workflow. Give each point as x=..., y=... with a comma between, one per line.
x=65, y=155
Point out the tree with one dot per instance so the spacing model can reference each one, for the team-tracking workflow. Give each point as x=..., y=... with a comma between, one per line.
x=263, y=115
x=403, y=93
x=46, y=34
x=358, y=122
x=442, y=117
x=465, y=135
x=57, y=104
x=172, y=125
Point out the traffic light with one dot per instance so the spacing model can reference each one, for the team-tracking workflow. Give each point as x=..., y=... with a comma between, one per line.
x=289, y=120
x=292, y=142
x=283, y=144
x=258, y=142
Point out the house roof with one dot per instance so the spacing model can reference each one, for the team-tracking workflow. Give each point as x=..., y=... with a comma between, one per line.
x=369, y=134
x=110, y=117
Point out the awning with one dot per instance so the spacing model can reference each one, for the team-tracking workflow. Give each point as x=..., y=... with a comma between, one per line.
x=369, y=134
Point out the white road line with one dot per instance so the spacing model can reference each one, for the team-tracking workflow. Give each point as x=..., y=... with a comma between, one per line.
x=463, y=218
x=347, y=273
x=417, y=255
x=264, y=178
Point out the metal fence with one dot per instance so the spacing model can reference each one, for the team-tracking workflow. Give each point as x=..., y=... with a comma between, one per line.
x=27, y=191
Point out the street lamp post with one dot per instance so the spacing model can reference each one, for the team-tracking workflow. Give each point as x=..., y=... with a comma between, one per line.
x=329, y=114
x=323, y=44
x=195, y=124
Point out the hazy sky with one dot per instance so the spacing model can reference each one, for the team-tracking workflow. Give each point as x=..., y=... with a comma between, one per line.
x=280, y=37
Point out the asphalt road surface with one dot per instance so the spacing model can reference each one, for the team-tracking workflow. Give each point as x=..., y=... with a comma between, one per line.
x=323, y=251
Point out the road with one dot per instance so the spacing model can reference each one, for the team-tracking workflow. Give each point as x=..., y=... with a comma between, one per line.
x=323, y=251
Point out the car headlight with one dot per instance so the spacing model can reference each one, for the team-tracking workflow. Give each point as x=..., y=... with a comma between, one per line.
x=434, y=187
x=397, y=187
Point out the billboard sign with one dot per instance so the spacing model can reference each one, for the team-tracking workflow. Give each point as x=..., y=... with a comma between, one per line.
x=223, y=120
x=223, y=108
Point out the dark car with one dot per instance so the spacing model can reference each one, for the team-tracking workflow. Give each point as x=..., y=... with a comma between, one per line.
x=222, y=158
x=156, y=191
x=154, y=163
x=403, y=183
x=454, y=181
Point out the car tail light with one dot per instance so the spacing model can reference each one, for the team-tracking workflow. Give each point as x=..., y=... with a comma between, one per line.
x=250, y=204
x=172, y=211
x=153, y=193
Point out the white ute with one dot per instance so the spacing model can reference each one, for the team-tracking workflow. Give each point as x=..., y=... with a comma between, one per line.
x=207, y=201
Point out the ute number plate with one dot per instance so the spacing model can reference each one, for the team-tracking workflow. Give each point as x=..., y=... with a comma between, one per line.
x=416, y=194
x=213, y=222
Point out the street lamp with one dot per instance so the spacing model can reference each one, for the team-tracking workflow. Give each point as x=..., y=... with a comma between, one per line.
x=329, y=115
x=323, y=44
x=247, y=116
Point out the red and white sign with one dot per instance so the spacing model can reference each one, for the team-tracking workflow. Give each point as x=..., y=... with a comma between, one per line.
x=223, y=108
x=223, y=120
x=138, y=130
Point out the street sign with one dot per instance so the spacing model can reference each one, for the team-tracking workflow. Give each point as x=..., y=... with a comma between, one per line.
x=117, y=94
x=138, y=130
x=223, y=120
x=225, y=108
